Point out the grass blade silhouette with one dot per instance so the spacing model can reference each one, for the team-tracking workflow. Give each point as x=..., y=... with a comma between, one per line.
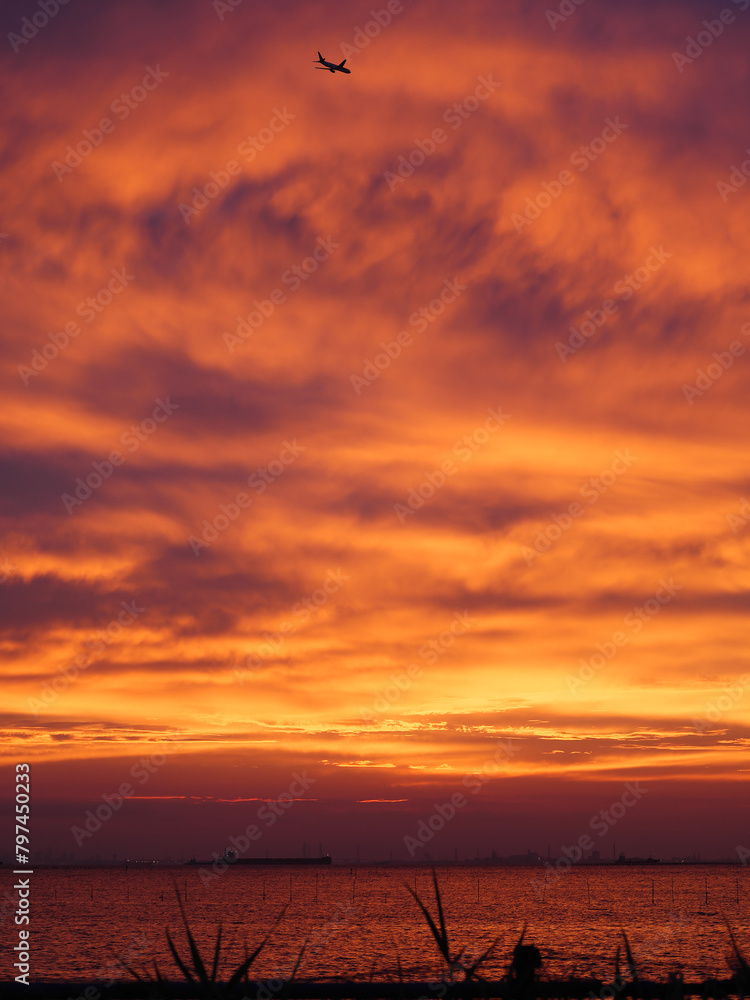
x=631, y=965
x=178, y=961
x=217, y=950
x=742, y=967
x=512, y=965
x=440, y=934
x=241, y=970
x=629, y=954
x=285, y=988
x=471, y=970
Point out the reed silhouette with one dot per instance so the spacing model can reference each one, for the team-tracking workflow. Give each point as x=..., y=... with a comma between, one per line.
x=204, y=984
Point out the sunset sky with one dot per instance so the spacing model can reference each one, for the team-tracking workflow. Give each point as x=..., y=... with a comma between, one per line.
x=401, y=417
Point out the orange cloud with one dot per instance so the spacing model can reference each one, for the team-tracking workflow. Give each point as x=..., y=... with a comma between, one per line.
x=257, y=338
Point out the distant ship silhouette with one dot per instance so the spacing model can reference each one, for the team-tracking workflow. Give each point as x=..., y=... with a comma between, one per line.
x=622, y=860
x=231, y=857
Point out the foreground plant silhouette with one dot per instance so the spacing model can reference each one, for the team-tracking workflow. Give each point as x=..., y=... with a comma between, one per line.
x=440, y=934
x=738, y=963
x=196, y=971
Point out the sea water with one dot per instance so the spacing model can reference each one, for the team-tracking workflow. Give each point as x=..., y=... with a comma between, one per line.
x=359, y=922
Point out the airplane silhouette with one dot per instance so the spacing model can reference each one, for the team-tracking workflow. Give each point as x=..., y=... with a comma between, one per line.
x=331, y=67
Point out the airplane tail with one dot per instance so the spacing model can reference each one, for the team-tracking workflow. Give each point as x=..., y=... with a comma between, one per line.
x=320, y=57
